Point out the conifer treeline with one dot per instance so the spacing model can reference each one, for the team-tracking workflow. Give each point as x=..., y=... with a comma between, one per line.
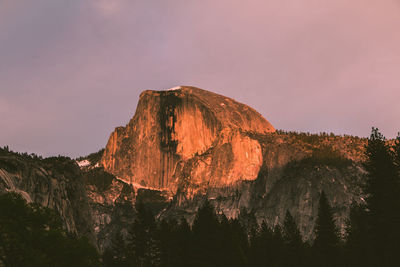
x=373, y=234
x=214, y=240
x=372, y=237
x=32, y=235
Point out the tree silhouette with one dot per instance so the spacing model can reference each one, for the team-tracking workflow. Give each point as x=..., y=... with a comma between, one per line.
x=165, y=235
x=383, y=200
x=175, y=242
x=183, y=239
x=206, y=237
x=357, y=245
x=232, y=252
x=266, y=246
x=248, y=220
x=261, y=239
x=143, y=246
x=216, y=241
x=326, y=241
x=115, y=255
x=396, y=150
x=31, y=235
x=240, y=238
x=293, y=242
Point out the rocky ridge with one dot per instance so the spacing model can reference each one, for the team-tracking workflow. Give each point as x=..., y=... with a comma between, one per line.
x=186, y=145
x=196, y=144
x=55, y=183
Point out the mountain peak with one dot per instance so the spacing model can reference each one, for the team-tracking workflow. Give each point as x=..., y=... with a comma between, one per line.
x=185, y=125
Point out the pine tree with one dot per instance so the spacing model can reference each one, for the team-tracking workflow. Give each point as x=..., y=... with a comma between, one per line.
x=183, y=238
x=32, y=235
x=115, y=255
x=290, y=231
x=240, y=238
x=293, y=241
x=175, y=242
x=207, y=238
x=396, y=150
x=261, y=240
x=382, y=202
x=326, y=241
x=231, y=252
x=248, y=220
x=277, y=247
x=143, y=246
x=165, y=235
x=266, y=246
x=356, y=237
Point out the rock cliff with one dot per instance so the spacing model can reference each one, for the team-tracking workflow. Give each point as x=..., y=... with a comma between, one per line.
x=55, y=183
x=187, y=135
x=195, y=144
x=186, y=145
x=112, y=200
x=296, y=168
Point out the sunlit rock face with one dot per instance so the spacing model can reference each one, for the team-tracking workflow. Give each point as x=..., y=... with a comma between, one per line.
x=198, y=145
x=187, y=137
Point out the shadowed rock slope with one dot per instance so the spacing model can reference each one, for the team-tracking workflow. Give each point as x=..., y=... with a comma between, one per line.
x=90, y=201
x=195, y=144
x=54, y=182
x=184, y=146
x=296, y=168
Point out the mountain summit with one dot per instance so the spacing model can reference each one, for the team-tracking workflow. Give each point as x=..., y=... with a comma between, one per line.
x=187, y=135
x=192, y=144
x=182, y=147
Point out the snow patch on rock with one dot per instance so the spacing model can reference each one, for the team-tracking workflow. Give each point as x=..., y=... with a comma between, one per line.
x=174, y=88
x=83, y=163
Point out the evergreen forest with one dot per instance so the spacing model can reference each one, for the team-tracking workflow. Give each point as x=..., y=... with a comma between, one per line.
x=372, y=236
x=33, y=236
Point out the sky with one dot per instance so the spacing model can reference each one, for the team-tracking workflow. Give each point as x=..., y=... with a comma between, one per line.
x=72, y=70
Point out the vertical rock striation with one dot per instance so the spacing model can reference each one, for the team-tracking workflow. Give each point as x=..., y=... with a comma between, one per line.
x=187, y=136
x=186, y=145
x=196, y=144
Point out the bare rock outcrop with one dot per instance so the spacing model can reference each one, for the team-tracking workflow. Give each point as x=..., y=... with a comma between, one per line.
x=184, y=146
x=196, y=145
x=187, y=137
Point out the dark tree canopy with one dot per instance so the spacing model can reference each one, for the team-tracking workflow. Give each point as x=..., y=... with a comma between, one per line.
x=326, y=234
x=293, y=241
x=372, y=238
x=382, y=205
x=143, y=245
x=31, y=235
